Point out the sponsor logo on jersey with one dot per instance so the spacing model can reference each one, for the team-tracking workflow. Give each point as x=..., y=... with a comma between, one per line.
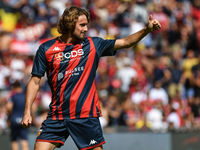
x=60, y=76
x=74, y=72
x=68, y=55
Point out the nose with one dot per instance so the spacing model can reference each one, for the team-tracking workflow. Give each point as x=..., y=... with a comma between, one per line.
x=86, y=28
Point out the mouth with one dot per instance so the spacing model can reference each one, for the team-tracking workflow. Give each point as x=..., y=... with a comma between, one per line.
x=83, y=34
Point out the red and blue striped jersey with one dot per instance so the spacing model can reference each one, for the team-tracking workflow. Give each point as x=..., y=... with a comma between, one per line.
x=71, y=71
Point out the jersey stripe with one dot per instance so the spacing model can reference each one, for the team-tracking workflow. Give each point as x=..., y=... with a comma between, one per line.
x=86, y=96
x=97, y=107
x=54, y=76
x=61, y=79
x=88, y=102
x=71, y=84
x=71, y=66
x=82, y=81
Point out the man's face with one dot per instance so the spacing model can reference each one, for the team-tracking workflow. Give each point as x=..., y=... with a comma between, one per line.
x=81, y=27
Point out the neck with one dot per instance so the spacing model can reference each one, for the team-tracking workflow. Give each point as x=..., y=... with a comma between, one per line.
x=18, y=90
x=69, y=39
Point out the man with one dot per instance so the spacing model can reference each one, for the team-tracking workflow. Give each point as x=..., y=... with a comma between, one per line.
x=70, y=62
x=15, y=108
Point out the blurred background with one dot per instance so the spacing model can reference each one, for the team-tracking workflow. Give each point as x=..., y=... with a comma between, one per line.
x=151, y=88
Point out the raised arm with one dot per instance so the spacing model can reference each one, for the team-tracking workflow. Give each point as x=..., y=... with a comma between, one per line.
x=133, y=39
x=31, y=92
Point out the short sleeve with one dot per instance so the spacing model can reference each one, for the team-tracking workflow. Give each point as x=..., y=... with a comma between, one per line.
x=40, y=63
x=104, y=47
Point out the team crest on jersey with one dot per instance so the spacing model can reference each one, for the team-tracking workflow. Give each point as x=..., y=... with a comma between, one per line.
x=40, y=131
x=59, y=56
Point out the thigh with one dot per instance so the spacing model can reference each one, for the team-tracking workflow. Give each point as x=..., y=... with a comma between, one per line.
x=45, y=146
x=24, y=144
x=97, y=148
x=52, y=131
x=14, y=145
x=86, y=133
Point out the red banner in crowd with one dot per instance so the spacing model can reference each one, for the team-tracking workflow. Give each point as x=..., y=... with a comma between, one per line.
x=24, y=47
x=30, y=33
x=25, y=40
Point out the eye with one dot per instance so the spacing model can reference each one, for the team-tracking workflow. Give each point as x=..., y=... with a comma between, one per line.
x=82, y=25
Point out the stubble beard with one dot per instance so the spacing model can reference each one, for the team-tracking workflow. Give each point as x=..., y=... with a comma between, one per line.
x=78, y=37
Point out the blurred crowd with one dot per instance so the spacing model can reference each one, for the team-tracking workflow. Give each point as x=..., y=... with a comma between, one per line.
x=154, y=85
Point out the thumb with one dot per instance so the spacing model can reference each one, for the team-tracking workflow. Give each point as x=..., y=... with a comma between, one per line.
x=150, y=24
x=150, y=17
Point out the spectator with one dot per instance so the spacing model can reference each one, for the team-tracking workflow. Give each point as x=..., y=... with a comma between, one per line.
x=176, y=74
x=132, y=115
x=4, y=75
x=3, y=116
x=125, y=75
x=102, y=79
x=44, y=108
x=155, y=120
x=158, y=93
x=139, y=11
x=187, y=65
x=123, y=19
x=15, y=108
x=114, y=110
x=17, y=66
x=195, y=109
x=174, y=118
x=195, y=79
x=139, y=95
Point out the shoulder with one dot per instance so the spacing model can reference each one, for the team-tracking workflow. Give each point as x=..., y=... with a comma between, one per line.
x=14, y=96
x=18, y=94
x=46, y=45
x=95, y=39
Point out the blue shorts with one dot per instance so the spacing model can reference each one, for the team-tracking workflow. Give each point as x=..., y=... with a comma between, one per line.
x=85, y=132
x=18, y=132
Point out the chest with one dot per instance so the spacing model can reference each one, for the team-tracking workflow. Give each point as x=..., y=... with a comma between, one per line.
x=63, y=55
